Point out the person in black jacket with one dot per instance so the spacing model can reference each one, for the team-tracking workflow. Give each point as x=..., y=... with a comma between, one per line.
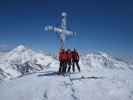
x=75, y=60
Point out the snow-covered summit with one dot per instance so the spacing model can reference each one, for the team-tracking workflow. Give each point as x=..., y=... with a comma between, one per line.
x=20, y=54
x=102, y=77
x=15, y=62
x=21, y=58
x=102, y=60
x=20, y=48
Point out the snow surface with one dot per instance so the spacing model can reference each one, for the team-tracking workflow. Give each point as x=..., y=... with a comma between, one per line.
x=14, y=63
x=102, y=77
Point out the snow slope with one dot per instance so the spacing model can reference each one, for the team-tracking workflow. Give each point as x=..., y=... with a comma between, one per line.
x=20, y=59
x=102, y=77
x=111, y=84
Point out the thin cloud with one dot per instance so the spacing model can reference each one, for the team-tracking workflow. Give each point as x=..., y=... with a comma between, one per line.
x=6, y=47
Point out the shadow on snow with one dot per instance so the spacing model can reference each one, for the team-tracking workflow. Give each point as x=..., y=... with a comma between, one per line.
x=50, y=73
x=82, y=77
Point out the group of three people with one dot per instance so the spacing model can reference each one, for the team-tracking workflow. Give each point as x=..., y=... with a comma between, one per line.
x=67, y=59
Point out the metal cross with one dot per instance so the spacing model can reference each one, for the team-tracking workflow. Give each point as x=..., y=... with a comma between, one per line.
x=62, y=30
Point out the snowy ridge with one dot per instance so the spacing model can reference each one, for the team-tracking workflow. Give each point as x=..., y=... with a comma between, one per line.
x=20, y=59
x=103, y=60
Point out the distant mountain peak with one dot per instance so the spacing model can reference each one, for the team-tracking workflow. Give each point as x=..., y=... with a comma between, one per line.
x=20, y=48
x=22, y=57
x=98, y=54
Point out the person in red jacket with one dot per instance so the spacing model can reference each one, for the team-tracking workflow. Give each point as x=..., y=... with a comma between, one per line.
x=62, y=59
x=69, y=59
x=75, y=60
